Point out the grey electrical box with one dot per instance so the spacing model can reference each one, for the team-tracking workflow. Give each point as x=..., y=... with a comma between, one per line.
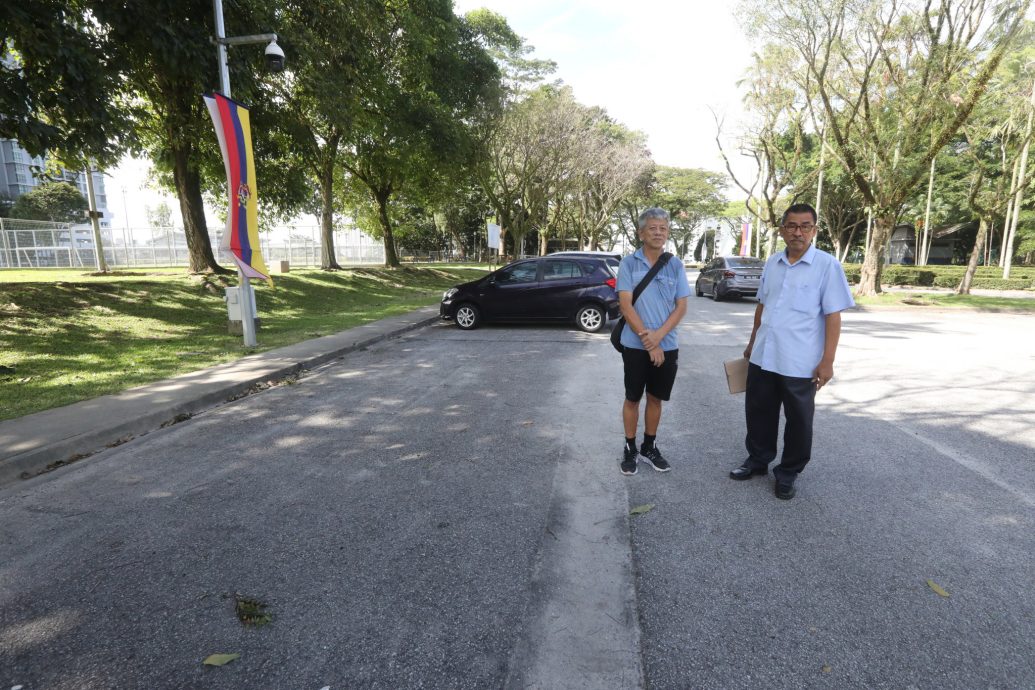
x=233, y=309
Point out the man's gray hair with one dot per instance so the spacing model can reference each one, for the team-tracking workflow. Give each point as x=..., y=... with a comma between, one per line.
x=652, y=212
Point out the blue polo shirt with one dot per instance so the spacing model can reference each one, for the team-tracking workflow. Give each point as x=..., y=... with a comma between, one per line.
x=658, y=299
x=797, y=299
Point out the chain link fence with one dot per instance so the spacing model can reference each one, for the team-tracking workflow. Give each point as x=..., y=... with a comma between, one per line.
x=42, y=244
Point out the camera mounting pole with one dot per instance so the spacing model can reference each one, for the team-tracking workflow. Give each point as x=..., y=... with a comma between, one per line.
x=245, y=293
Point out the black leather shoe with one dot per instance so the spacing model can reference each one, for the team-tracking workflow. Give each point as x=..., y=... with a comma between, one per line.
x=785, y=491
x=747, y=472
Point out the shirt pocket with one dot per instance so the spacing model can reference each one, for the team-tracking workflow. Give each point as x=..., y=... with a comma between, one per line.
x=805, y=299
x=666, y=286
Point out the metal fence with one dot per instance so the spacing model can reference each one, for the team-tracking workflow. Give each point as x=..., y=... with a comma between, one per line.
x=40, y=244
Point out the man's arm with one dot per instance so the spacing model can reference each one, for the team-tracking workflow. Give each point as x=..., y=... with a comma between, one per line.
x=652, y=339
x=825, y=371
x=754, y=330
x=632, y=319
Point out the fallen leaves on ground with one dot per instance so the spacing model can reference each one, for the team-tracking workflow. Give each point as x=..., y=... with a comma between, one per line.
x=219, y=659
x=251, y=611
x=936, y=588
x=640, y=510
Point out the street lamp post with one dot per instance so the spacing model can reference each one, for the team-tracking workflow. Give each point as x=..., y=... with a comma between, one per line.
x=275, y=59
x=125, y=226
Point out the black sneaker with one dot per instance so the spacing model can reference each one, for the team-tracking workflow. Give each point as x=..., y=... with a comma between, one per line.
x=656, y=460
x=629, y=461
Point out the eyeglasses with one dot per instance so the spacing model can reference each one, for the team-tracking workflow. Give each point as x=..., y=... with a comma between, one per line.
x=794, y=227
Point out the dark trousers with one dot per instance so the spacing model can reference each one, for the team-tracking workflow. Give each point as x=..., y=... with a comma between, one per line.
x=766, y=393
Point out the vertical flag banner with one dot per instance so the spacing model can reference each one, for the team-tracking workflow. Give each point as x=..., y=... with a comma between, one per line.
x=241, y=239
x=745, y=239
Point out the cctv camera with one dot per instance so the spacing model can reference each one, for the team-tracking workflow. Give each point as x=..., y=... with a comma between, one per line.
x=274, y=57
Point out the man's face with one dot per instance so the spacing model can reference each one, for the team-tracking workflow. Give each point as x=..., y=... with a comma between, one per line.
x=797, y=232
x=655, y=233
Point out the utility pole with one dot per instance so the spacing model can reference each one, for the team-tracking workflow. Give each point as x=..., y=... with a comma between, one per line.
x=245, y=291
x=98, y=248
x=125, y=227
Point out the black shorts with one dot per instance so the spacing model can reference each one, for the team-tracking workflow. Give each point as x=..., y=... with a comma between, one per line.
x=640, y=374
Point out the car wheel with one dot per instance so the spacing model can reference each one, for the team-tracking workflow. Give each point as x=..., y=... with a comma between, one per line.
x=698, y=290
x=467, y=316
x=590, y=318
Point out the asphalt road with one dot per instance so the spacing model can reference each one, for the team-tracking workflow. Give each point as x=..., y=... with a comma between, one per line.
x=445, y=511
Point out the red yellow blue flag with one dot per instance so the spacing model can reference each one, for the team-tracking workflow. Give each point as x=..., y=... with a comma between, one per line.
x=241, y=239
x=745, y=239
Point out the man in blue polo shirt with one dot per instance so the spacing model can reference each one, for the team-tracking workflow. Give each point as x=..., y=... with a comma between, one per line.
x=651, y=349
x=796, y=330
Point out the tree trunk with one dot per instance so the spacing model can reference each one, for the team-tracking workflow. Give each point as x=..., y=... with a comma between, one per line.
x=975, y=254
x=192, y=210
x=328, y=258
x=391, y=258
x=519, y=243
x=873, y=261
x=543, y=239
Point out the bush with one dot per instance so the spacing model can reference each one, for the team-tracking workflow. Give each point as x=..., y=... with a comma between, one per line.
x=986, y=277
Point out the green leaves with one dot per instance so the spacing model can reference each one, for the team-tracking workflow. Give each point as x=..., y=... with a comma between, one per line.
x=219, y=659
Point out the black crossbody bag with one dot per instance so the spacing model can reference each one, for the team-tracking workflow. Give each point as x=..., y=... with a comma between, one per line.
x=616, y=332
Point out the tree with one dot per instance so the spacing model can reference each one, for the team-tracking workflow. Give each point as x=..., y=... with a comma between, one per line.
x=777, y=142
x=59, y=202
x=691, y=196
x=314, y=104
x=411, y=126
x=528, y=150
x=160, y=216
x=892, y=83
x=610, y=162
x=58, y=81
x=165, y=73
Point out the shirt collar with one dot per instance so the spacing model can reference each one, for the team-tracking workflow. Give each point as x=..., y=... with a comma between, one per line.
x=638, y=254
x=807, y=257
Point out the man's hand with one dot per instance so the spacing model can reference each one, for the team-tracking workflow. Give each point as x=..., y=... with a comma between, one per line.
x=650, y=340
x=824, y=372
x=657, y=356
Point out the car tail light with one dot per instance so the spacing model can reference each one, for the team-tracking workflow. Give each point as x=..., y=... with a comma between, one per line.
x=729, y=274
x=611, y=283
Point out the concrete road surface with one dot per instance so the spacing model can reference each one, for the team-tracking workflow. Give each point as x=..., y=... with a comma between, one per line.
x=445, y=511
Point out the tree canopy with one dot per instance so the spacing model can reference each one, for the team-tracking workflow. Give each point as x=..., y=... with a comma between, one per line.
x=60, y=202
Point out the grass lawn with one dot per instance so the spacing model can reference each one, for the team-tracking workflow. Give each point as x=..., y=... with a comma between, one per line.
x=906, y=300
x=67, y=336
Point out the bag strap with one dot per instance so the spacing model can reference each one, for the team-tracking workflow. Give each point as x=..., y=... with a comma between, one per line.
x=658, y=265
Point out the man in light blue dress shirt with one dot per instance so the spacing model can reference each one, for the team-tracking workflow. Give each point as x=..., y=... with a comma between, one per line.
x=793, y=342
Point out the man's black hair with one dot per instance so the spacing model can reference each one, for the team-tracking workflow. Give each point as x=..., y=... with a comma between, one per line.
x=800, y=208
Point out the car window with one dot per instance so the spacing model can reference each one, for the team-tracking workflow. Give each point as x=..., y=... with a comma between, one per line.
x=745, y=262
x=519, y=273
x=560, y=270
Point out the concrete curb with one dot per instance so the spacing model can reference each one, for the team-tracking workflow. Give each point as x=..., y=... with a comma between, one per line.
x=39, y=442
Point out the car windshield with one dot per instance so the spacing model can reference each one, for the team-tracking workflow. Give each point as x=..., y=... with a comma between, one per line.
x=744, y=262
